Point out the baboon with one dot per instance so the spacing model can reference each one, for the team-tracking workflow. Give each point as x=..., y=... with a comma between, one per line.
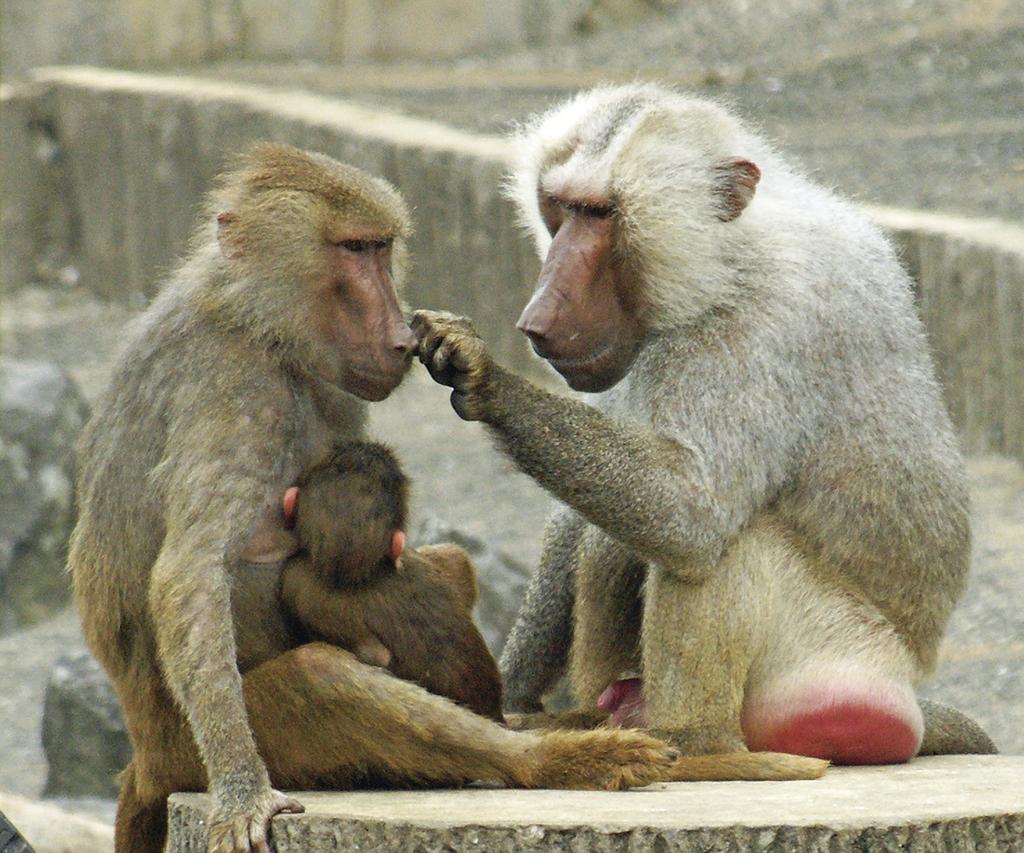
x=356, y=585
x=253, y=363
x=764, y=524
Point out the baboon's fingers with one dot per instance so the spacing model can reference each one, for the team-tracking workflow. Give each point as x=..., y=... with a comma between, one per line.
x=289, y=805
x=422, y=319
x=468, y=354
x=442, y=367
x=603, y=760
x=429, y=343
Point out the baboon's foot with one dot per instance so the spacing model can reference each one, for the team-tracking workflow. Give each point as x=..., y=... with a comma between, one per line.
x=602, y=760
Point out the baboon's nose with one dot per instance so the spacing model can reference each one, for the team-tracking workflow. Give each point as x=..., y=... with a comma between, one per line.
x=535, y=322
x=537, y=335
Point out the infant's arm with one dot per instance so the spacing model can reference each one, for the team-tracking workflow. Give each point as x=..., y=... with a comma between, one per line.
x=372, y=651
x=329, y=614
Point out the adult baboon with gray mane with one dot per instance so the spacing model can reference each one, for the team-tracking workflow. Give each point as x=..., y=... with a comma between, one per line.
x=765, y=522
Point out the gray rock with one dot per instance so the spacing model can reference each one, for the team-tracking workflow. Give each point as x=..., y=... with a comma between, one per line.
x=84, y=735
x=501, y=578
x=41, y=414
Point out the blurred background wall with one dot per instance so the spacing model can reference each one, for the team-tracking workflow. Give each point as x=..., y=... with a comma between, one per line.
x=144, y=32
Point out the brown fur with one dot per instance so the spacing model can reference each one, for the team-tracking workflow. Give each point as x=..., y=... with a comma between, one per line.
x=245, y=372
x=413, y=617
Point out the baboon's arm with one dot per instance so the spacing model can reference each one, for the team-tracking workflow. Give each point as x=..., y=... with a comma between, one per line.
x=191, y=605
x=674, y=488
x=337, y=617
x=652, y=491
x=219, y=478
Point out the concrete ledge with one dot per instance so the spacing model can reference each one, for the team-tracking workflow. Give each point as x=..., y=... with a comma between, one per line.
x=949, y=803
x=970, y=288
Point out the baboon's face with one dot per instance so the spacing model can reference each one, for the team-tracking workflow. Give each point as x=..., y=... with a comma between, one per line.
x=583, y=318
x=370, y=345
x=312, y=247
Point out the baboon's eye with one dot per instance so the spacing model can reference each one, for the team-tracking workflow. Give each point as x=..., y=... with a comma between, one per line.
x=363, y=245
x=598, y=211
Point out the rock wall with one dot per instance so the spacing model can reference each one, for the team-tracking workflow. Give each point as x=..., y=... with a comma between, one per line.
x=138, y=151
x=970, y=279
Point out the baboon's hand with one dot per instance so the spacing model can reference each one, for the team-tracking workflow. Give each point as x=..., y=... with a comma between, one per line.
x=451, y=350
x=242, y=827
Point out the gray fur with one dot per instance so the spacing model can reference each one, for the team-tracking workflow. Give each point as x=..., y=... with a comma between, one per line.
x=785, y=378
x=537, y=648
x=948, y=731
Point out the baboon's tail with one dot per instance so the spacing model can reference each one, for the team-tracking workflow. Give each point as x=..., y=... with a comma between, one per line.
x=948, y=731
x=747, y=767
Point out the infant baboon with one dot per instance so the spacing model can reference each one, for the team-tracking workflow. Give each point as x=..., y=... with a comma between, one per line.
x=355, y=585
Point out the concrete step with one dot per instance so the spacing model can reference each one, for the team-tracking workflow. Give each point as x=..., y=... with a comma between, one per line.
x=948, y=803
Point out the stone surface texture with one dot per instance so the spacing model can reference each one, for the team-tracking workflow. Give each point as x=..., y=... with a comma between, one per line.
x=84, y=737
x=973, y=804
x=170, y=136
x=119, y=32
x=41, y=414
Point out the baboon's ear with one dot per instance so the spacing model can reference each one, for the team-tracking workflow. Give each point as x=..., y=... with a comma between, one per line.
x=735, y=182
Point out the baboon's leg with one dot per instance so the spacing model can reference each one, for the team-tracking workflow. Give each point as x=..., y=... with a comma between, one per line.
x=836, y=680
x=695, y=661
x=322, y=718
x=545, y=721
x=769, y=652
x=606, y=616
x=165, y=760
x=141, y=825
x=316, y=711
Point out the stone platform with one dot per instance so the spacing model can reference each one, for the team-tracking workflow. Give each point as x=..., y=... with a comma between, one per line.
x=947, y=803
